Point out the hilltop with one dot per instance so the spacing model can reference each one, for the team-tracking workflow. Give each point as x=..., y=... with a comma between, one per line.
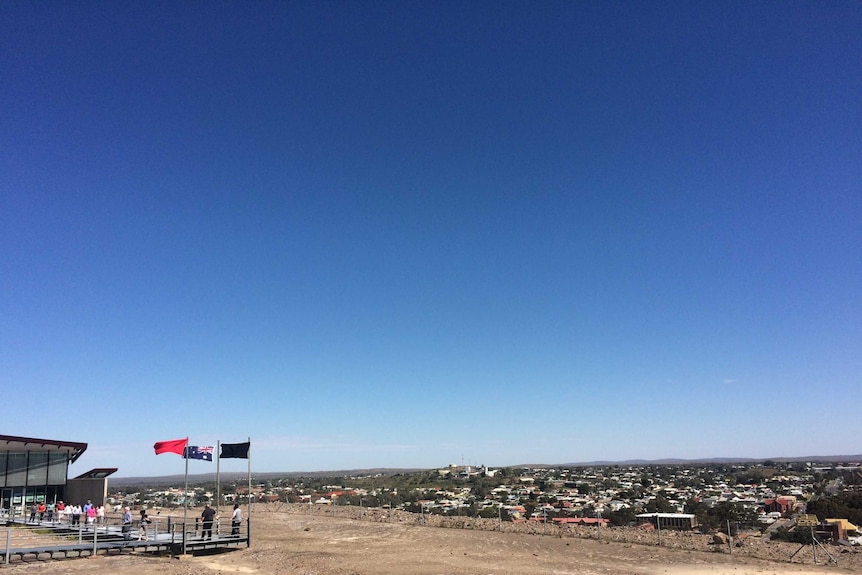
x=177, y=479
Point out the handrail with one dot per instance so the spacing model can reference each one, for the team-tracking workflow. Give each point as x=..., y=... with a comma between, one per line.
x=81, y=538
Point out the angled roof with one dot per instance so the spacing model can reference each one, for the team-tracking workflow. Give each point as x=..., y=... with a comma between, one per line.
x=11, y=442
x=98, y=473
x=844, y=523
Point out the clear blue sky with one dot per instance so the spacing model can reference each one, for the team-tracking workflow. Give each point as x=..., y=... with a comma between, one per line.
x=408, y=234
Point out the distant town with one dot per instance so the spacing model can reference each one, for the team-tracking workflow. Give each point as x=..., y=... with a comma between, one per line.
x=769, y=496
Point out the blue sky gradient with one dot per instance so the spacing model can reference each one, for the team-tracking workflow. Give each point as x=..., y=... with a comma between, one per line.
x=407, y=234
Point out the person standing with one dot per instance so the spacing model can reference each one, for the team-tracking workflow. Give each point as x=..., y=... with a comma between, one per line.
x=143, y=532
x=127, y=524
x=207, y=518
x=91, y=515
x=235, y=519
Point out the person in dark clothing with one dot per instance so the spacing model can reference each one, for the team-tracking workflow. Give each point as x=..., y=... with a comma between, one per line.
x=144, y=531
x=207, y=518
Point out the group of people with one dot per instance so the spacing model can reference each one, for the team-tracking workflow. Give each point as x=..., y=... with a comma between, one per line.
x=144, y=523
x=209, y=515
x=95, y=515
x=71, y=514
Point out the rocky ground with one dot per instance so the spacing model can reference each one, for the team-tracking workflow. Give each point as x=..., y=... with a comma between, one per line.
x=298, y=540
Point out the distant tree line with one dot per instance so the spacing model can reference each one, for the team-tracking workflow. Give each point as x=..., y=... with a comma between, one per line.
x=841, y=506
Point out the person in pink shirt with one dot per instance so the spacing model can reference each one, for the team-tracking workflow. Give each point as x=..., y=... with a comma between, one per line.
x=91, y=515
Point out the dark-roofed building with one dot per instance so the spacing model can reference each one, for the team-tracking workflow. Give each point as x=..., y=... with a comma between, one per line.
x=34, y=470
x=90, y=486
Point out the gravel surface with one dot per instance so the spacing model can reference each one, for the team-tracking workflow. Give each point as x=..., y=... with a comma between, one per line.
x=298, y=540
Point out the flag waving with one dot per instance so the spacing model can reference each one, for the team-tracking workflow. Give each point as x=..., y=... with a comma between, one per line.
x=199, y=452
x=235, y=450
x=177, y=446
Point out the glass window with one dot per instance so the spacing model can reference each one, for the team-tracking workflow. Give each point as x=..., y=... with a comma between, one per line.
x=3, y=469
x=37, y=471
x=16, y=470
x=57, y=468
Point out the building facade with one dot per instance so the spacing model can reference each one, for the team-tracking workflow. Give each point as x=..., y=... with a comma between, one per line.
x=34, y=470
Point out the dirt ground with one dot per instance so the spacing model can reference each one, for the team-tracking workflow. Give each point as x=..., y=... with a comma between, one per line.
x=296, y=540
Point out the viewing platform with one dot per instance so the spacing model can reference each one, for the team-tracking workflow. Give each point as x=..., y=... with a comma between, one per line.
x=44, y=540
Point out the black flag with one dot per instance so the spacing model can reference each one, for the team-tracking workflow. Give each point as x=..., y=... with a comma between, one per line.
x=235, y=450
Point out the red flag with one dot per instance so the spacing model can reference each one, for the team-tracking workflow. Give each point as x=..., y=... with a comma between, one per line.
x=177, y=446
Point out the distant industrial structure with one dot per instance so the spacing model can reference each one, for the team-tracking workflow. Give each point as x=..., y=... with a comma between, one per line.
x=684, y=521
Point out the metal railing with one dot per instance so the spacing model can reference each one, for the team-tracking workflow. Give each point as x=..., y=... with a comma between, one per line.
x=77, y=535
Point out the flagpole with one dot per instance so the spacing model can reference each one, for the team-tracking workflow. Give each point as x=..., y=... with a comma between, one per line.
x=218, y=476
x=248, y=534
x=186, y=495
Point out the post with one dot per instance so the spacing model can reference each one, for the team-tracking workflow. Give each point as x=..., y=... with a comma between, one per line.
x=185, y=496
x=173, y=532
x=249, y=491
x=658, y=527
x=814, y=545
x=729, y=539
x=95, y=539
x=598, y=523
x=8, y=541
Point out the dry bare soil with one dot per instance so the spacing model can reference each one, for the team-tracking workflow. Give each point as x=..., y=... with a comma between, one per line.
x=302, y=541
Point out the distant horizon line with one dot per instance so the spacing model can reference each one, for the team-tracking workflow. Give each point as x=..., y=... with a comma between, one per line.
x=597, y=463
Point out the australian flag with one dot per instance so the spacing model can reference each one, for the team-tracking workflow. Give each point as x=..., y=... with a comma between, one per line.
x=199, y=452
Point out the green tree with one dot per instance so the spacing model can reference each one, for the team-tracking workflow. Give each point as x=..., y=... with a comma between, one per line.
x=699, y=509
x=802, y=536
x=735, y=513
x=842, y=506
x=659, y=504
x=622, y=517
